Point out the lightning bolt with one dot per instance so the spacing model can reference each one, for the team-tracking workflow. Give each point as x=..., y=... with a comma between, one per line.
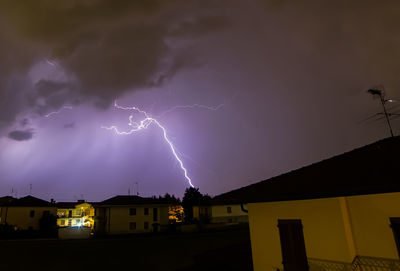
x=190, y=106
x=58, y=111
x=144, y=124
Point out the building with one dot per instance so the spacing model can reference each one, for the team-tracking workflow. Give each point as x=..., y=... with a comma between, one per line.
x=132, y=214
x=221, y=211
x=342, y=213
x=75, y=214
x=25, y=213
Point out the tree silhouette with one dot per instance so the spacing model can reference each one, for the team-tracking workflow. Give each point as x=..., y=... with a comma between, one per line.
x=192, y=197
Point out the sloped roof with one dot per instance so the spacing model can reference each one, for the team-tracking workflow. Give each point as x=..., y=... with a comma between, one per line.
x=133, y=200
x=28, y=201
x=6, y=200
x=367, y=170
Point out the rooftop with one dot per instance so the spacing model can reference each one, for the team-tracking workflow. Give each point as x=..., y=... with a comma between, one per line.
x=367, y=170
x=28, y=201
x=134, y=200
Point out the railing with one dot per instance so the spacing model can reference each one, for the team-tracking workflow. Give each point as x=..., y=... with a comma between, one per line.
x=327, y=265
x=360, y=263
x=365, y=263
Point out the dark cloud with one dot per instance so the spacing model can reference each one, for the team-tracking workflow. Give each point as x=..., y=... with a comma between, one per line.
x=20, y=135
x=105, y=48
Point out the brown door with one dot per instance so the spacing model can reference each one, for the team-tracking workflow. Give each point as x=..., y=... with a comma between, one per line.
x=294, y=256
x=395, y=225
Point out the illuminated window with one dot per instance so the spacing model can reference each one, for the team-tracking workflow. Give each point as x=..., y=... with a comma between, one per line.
x=76, y=221
x=62, y=222
x=146, y=225
x=229, y=209
x=132, y=225
x=146, y=211
x=132, y=211
x=32, y=213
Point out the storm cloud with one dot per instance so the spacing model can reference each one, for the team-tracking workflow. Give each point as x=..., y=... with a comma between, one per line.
x=103, y=48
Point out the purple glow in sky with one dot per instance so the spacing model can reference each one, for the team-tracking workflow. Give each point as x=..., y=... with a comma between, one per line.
x=291, y=76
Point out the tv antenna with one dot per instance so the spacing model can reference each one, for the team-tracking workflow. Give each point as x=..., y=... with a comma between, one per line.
x=377, y=93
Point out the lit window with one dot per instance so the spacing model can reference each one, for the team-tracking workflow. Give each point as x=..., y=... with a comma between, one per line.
x=32, y=213
x=146, y=211
x=132, y=225
x=62, y=222
x=229, y=209
x=132, y=211
x=146, y=225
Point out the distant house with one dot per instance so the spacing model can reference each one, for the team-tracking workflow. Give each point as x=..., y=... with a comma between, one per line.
x=75, y=214
x=342, y=213
x=24, y=213
x=132, y=214
x=220, y=210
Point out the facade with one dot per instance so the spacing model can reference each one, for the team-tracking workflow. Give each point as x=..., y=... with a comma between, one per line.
x=75, y=214
x=132, y=214
x=24, y=213
x=339, y=214
x=220, y=212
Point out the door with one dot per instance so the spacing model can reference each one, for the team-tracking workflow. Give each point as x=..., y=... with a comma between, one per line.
x=294, y=256
x=395, y=225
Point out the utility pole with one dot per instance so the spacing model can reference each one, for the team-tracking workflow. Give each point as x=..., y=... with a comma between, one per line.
x=377, y=92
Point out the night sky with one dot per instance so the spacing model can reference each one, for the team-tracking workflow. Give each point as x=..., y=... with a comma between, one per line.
x=285, y=83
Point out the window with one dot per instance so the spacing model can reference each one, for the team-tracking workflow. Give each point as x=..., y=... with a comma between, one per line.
x=229, y=209
x=132, y=211
x=146, y=225
x=132, y=225
x=32, y=213
x=155, y=214
x=62, y=222
x=146, y=211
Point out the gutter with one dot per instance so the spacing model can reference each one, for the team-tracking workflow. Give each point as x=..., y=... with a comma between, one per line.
x=243, y=209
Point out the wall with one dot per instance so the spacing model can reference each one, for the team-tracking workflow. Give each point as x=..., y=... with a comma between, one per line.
x=20, y=216
x=371, y=225
x=220, y=214
x=118, y=219
x=324, y=232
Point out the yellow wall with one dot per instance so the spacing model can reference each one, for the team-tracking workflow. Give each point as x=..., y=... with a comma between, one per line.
x=371, y=225
x=20, y=216
x=119, y=219
x=323, y=229
x=334, y=229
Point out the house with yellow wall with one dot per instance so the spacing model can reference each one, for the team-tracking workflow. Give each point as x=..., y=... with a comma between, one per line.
x=132, y=214
x=342, y=213
x=25, y=213
x=75, y=214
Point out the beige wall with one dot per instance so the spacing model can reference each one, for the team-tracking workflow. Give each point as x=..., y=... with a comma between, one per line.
x=323, y=229
x=118, y=219
x=221, y=210
x=20, y=216
x=219, y=213
x=370, y=216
